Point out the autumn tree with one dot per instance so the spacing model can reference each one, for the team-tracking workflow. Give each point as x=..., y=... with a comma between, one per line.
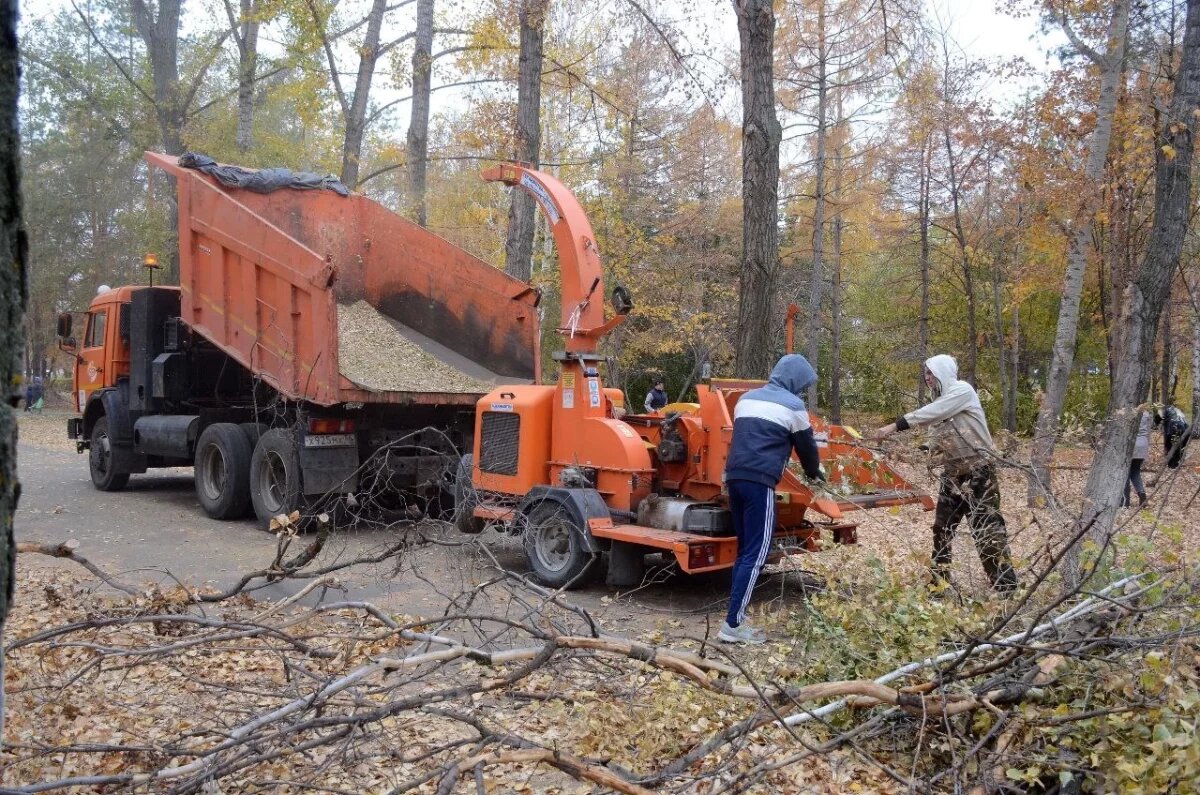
x=1142, y=303
x=833, y=68
x=1107, y=61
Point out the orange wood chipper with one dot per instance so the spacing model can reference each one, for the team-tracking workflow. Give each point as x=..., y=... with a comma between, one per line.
x=554, y=463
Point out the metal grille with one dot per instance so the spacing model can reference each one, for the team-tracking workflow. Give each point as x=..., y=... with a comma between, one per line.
x=500, y=442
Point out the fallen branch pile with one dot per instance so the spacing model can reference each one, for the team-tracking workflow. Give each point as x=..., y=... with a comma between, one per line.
x=157, y=692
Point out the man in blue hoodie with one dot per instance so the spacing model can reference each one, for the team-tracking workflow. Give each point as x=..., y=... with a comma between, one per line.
x=768, y=423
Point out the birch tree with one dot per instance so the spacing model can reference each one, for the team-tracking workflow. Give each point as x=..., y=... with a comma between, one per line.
x=244, y=24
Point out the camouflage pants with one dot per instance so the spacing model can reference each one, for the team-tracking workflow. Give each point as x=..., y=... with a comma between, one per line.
x=975, y=497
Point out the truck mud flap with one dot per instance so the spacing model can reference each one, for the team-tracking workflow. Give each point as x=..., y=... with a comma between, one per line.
x=329, y=470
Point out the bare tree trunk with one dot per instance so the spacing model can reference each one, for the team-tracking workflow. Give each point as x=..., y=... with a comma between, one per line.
x=960, y=237
x=998, y=312
x=418, y=126
x=997, y=273
x=1063, y=357
x=518, y=248
x=1116, y=261
x=835, y=323
x=1014, y=384
x=160, y=32
x=245, y=33
x=761, y=135
x=1167, y=396
x=13, y=293
x=161, y=36
x=923, y=202
x=816, y=284
x=1144, y=299
x=1195, y=368
x=835, y=276
x=1008, y=394
x=356, y=110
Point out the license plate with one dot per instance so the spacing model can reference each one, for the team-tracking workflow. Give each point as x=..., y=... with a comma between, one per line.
x=330, y=440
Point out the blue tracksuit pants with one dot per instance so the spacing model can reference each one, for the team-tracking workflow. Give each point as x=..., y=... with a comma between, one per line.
x=753, y=508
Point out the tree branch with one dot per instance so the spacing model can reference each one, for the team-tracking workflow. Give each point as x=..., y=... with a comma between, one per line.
x=1079, y=44
x=66, y=550
x=96, y=38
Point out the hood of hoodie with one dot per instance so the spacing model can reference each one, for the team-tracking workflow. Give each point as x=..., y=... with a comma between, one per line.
x=791, y=376
x=944, y=369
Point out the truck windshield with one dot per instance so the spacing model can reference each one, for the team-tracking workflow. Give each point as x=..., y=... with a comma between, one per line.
x=95, y=334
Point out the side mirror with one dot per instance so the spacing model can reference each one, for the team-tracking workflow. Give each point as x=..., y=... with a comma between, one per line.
x=67, y=345
x=64, y=325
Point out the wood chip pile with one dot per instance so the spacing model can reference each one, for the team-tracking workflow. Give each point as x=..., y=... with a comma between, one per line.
x=376, y=355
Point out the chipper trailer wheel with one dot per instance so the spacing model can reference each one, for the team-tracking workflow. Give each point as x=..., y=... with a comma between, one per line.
x=275, y=476
x=556, y=547
x=223, y=471
x=101, y=461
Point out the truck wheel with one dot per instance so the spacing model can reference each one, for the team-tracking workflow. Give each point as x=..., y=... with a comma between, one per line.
x=556, y=547
x=465, y=499
x=223, y=471
x=275, y=476
x=101, y=461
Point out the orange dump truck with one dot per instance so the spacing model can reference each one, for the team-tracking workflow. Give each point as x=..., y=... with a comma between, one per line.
x=317, y=345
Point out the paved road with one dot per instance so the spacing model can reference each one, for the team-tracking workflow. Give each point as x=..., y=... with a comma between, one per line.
x=155, y=529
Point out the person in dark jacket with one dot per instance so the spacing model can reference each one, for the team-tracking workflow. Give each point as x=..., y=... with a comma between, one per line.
x=33, y=393
x=768, y=423
x=656, y=398
x=1176, y=434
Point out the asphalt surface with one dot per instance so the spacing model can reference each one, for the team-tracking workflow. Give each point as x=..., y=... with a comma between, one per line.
x=155, y=530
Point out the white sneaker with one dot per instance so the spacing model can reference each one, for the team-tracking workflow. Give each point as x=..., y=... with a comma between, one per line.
x=742, y=633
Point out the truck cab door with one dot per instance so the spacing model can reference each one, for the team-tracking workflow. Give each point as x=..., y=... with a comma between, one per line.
x=90, y=363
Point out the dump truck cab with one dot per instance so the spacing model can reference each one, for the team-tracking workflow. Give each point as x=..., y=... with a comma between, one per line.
x=99, y=342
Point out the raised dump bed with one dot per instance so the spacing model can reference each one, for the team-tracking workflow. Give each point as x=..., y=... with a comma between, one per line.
x=335, y=299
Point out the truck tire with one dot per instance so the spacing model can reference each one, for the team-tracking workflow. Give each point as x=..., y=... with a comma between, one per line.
x=465, y=499
x=555, y=546
x=222, y=469
x=102, y=462
x=275, y=476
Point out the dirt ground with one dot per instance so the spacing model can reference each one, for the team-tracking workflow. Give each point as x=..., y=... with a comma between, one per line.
x=155, y=530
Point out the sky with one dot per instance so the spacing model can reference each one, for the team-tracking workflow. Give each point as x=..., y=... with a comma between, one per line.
x=978, y=28
x=983, y=32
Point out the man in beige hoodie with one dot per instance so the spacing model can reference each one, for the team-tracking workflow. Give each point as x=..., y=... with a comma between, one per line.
x=962, y=444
